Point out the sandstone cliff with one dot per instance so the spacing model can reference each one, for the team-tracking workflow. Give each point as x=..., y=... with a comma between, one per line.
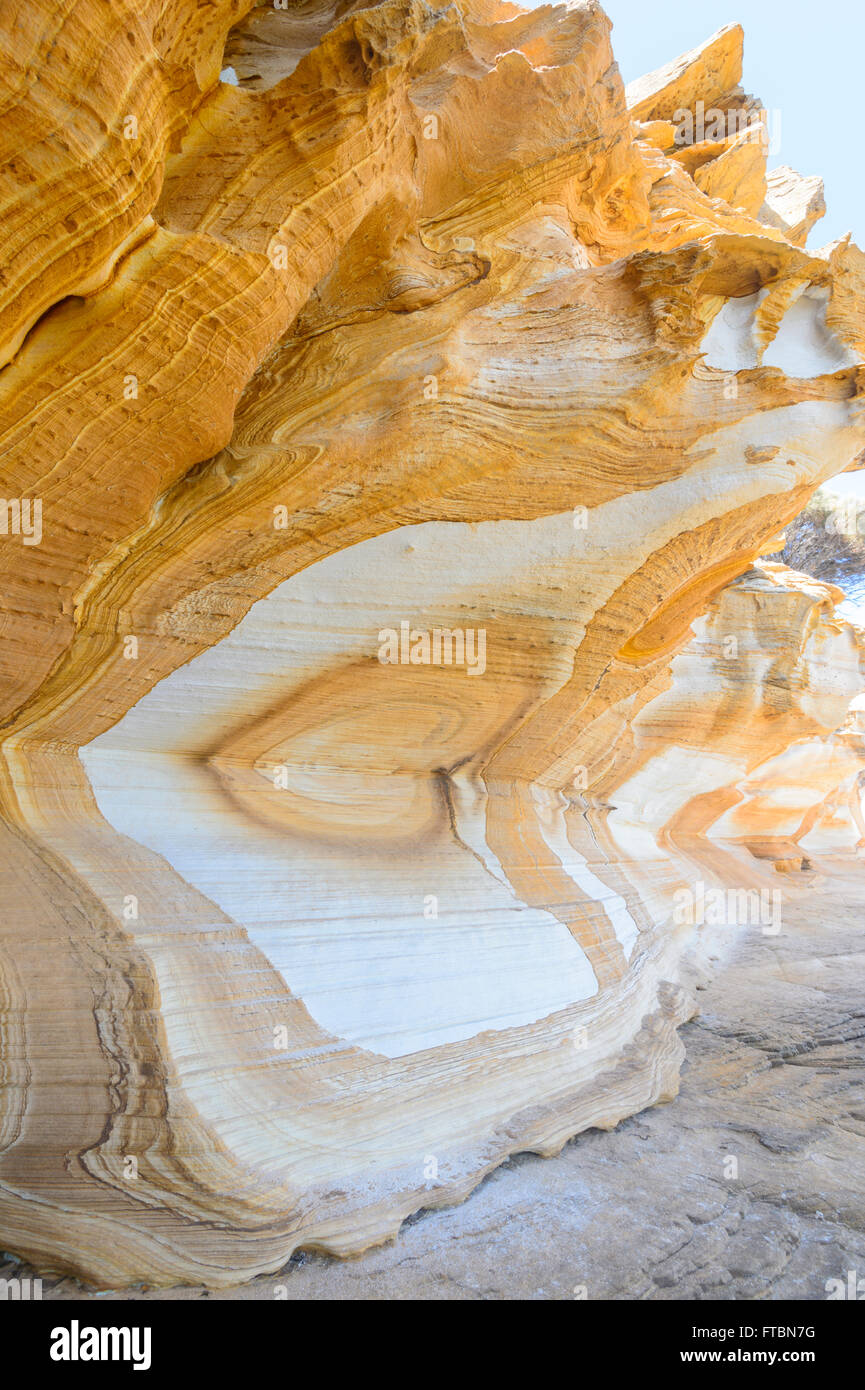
x=389, y=431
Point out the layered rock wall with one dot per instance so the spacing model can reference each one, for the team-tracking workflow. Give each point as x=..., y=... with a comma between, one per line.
x=392, y=426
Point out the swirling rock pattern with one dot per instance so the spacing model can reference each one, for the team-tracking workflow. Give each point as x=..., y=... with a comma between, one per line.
x=388, y=686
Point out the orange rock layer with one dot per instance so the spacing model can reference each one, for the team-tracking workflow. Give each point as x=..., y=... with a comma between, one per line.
x=388, y=431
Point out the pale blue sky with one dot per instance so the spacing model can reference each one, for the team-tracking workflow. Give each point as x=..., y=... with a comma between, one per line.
x=803, y=58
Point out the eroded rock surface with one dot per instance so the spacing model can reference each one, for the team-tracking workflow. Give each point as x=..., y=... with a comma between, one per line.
x=657, y=1209
x=403, y=412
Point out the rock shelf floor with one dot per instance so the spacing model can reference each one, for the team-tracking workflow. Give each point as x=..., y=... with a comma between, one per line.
x=772, y=1089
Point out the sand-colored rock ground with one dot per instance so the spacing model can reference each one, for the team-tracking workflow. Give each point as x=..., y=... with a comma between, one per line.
x=774, y=1078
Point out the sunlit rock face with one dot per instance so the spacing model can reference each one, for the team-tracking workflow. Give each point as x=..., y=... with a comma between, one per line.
x=391, y=710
